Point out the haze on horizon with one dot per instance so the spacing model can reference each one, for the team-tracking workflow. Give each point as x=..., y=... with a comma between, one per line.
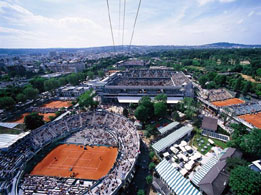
x=84, y=23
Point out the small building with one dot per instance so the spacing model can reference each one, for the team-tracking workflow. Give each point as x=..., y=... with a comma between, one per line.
x=71, y=91
x=256, y=166
x=213, y=177
x=168, y=128
x=172, y=138
x=209, y=123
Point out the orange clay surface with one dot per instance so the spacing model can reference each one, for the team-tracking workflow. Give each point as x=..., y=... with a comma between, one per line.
x=228, y=102
x=93, y=163
x=45, y=117
x=254, y=119
x=57, y=104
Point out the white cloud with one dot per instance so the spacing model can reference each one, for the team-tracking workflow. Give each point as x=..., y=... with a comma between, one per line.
x=203, y=2
x=251, y=13
x=176, y=23
x=49, y=32
x=240, y=21
x=226, y=1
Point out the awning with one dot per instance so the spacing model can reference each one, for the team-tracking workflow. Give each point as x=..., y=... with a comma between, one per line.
x=175, y=180
x=131, y=99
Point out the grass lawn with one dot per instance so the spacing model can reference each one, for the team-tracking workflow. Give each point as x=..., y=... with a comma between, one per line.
x=197, y=142
x=219, y=143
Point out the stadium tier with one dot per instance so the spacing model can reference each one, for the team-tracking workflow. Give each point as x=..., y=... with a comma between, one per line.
x=218, y=95
x=247, y=108
x=90, y=129
x=151, y=82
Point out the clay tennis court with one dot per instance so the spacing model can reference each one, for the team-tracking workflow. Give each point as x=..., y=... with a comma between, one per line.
x=57, y=104
x=228, y=102
x=45, y=117
x=254, y=119
x=73, y=161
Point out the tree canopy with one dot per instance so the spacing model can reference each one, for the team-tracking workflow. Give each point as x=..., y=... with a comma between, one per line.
x=244, y=180
x=30, y=93
x=87, y=100
x=6, y=102
x=33, y=121
x=141, y=113
x=249, y=143
x=160, y=109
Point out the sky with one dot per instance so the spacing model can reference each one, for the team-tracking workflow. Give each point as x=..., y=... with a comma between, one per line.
x=85, y=23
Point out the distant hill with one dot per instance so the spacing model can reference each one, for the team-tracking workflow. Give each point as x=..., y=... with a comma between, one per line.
x=144, y=48
x=229, y=45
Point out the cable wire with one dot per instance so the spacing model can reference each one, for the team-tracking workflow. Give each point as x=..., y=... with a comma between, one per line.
x=134, y=25
x=109, y=15
x=119, y=33
x=123, y=25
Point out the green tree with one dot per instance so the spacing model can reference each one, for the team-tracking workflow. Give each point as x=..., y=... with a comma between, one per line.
x=151, y=129
x=141, y=192
x=87, y=100
x=62, y=81
x=244, y=180
x=202, y=80
x=73, y=79
x=151, y=154
x=33, y=121
x=21, y=97
x=51, y=84
x=90, y=75
x=160, y=109
x=152, y=166
x=6, y=102
x=238, y=84
x=30, y=93
x=175, y=116
x=141, y=113
x=161, y=98
x=232, y=163
x=246, y=88
x=101, y=73
x=251, y=143
x=149, y=179
x=258, y=72
x=258, y=90
x=38, y=83
x=146, y=102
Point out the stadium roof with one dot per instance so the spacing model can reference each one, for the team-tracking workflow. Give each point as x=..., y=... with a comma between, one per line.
x=174, y=179
x=168, y=127
x=141, y=87
x=9, y=125
x=130, y=99
x=6, y=140
x=171, y=138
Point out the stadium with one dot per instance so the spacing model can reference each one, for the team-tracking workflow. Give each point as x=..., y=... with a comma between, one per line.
x=130, y=86
x=88, y=153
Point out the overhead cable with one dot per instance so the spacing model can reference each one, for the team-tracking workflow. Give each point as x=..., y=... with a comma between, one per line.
x=109, y=15
x=123, y=25
x=134, y=25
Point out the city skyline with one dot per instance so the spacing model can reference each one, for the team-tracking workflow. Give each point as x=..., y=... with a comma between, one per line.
x=81, y=23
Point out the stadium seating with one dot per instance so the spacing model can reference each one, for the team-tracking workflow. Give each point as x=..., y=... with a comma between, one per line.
x=90, y=128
